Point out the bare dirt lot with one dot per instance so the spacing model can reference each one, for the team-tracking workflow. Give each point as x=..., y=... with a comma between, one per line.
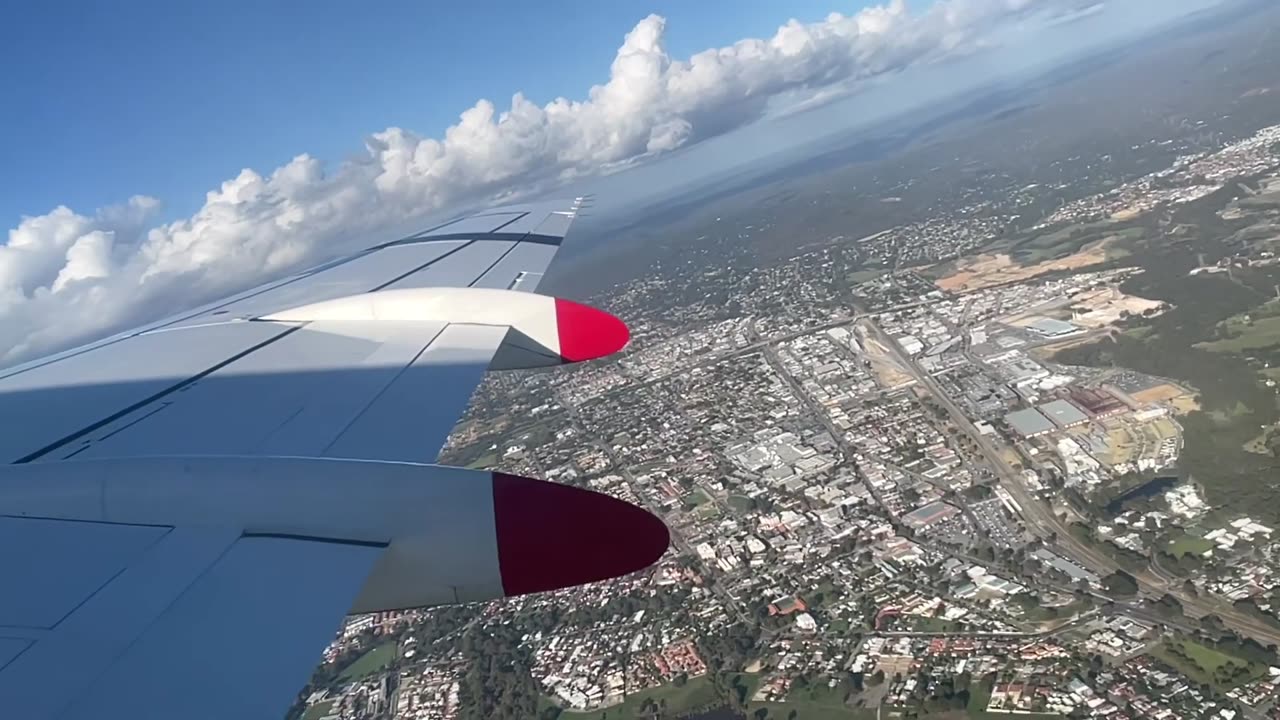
x=1181, y=399
x=983, y=271
x=1100, y=308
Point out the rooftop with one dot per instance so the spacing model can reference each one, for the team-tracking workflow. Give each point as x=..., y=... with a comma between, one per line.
x=1049, y=327
x=1063, y=413
x=1028, y=422
x=929, y=514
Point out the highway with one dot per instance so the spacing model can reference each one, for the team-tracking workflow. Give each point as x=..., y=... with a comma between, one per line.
x=1041, y=521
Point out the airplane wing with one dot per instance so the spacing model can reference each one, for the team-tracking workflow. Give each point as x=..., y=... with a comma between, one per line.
x=191, y=507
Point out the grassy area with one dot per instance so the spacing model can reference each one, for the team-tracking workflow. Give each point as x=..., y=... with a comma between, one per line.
x=369, y=663
x=1201, y=663
x=317, y=711
x=1188, y=545
x=487, y=460
x=808, y=711
x=979, y=698
x=821, y=703
x=1252, y=335
x=749, y=680
x=1039, y=613
x=741, y=503
x=860, y=276
x=697, y=497
x=1258, y=445
x=1140, y=333
x=1060, y=243
x=1229, y=415
x=697, y=693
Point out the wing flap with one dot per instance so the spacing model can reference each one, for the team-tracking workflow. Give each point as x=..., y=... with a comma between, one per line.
x=199, y=607
x=523, y=258
x=65, y=659
x=411, y=420
x=460, y=269
x=87, y=555
x=46, y=407
x=301, y=392
x=11, y=648
x=479, y=224
x=255, y=622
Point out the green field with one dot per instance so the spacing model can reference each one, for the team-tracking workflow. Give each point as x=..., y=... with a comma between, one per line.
x=809, y=711
x=860, y=276
x=1202, y=663
x=369, y=663
x=1060, y=243
x=818, y=702
x=1140, y=333
x=1258, y=333
x=979, y=698
x=1188, y=545
x=317, y=711
x=697, y=497
x=697, y=693
x=741, y=503
x=483, y=462
x=1039, y=613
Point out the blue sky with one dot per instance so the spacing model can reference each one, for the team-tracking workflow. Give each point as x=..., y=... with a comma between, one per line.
x=106, y=100
x=207, y=108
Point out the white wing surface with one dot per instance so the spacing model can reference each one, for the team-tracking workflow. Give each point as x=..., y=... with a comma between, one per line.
x=189, y=508
x=222, y=380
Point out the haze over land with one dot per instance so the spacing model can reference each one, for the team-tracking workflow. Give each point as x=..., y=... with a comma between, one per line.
x=975, y=412
x=132, y=264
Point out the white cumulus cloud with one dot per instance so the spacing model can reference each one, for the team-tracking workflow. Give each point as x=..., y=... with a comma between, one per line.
x=65, y=276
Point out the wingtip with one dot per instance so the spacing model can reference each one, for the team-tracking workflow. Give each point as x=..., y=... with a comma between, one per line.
x=588, y=333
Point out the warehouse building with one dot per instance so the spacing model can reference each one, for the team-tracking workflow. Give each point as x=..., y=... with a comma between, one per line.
x=1029, y=423
x=1064, y=414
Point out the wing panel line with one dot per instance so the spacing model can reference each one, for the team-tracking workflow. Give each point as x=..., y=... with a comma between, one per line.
x=18, y=654
x=72, y=437
x=493, y=264
x=142, y=552
x=421, y=267
x=480, y=236
x=517, y=218
x=373, y=401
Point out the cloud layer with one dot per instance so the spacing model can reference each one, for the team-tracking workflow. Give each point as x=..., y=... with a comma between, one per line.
x=65, y=277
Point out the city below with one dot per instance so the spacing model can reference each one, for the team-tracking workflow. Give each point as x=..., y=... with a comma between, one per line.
x=1010, y=456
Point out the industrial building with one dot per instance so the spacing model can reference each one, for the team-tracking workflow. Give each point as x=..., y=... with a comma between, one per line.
x=933, y=513
x=1063, y=414
x=1051, y=328
x=1096, y=402
x=1029, y=423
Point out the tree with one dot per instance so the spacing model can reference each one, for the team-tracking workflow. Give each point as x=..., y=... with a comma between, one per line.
x=1121, y=583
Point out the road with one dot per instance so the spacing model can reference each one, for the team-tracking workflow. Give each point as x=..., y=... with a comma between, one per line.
x=819, y=414
x=1040, y=519
x=731, y=603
